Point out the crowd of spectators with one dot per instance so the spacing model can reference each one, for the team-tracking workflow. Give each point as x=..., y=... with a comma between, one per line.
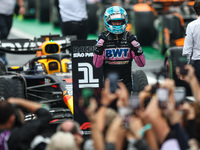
x=150, y=125
x=139, y=122
x=147, y=125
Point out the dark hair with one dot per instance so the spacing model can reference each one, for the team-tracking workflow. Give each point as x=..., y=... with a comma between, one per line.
x=6, y=110
x=197, y=7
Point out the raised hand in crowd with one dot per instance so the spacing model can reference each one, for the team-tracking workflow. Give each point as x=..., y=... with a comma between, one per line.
x=90, y=111
x=123, y=95
x=190, y=121
x=166, y=134
x=191, y=79
x=97, y=117
x=170, y=112
x=190, y=73
x=106, y=96
x=145, y=95
x=116, y=133
x=153, y=116
x=137, y=132
x=136, y=125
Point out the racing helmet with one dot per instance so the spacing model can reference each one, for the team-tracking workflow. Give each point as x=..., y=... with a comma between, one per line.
x=115, y=13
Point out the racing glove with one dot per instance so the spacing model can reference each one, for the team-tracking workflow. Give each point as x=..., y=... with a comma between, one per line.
x=135, y=45
x=99, y=47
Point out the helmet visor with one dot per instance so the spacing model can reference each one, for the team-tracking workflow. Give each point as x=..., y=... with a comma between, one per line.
x=116, y=17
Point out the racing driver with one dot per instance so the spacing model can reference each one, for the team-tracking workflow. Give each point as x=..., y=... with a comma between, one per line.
x=116, y=47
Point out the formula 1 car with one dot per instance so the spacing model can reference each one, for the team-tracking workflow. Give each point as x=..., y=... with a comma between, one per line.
x=47, y=78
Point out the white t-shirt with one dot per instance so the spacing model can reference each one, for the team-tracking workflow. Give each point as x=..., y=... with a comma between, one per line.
x=192, y=40
x=7, y=7
x=73, y=10
x=171, y=144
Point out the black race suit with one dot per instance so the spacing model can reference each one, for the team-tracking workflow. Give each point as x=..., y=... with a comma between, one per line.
x=116, y=53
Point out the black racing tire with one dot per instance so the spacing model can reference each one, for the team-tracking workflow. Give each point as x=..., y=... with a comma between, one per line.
x=2, y=68
x=92, y=18
x=11, y=87
x=139, y=80
x=144, y=27
x=171, y=63
x=29, y=9
x=174, y=53
x=43, y=10
x=159, y=42
x=54, y=13
x=173, y=23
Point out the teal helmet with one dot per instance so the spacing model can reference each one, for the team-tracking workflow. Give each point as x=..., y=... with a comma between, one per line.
x=115, y=13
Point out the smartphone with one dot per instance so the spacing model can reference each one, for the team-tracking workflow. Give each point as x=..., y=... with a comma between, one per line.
x=125, y=113
x=163, y=95
x=134, y=101
x=87, y=93
x=179, y=95
x=113, y=77
x=181, y=62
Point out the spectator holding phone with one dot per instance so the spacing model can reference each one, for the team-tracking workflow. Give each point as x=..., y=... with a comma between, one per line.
x=191, y=110
x=191, y=47
x=108, y=130
x=14, y=133
x=190, y=121
x=191, y=79
x=168, y=131
x=116, y=47
x=105, y=134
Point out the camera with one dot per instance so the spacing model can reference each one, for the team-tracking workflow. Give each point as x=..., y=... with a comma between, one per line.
x=134, y=101
x=181, y=62
x=113, y=78
x=125, y=113
x=163, y=95
x=179, y=95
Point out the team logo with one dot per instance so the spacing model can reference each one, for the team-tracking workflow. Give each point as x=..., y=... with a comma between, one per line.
x=117, y=53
